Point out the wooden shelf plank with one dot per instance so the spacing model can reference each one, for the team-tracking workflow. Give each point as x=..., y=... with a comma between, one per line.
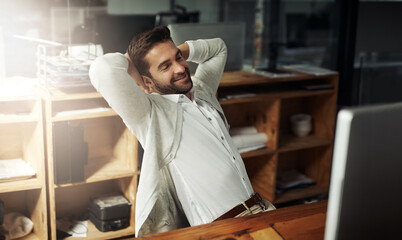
x=103, y=171
x=31, y=236
x=82, y=115
x=20, y=118
x=283, y=94
x=94, y=233
x=56, y=94
x=297, y=194
x=240, y=78
x=257, y=153
x=18, y=98
x=291, y=143
x=20, y=185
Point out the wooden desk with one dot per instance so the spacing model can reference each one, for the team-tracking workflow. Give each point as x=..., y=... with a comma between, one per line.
x=296, y=222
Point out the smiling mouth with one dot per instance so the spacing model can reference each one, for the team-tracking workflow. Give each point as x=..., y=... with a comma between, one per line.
x=182, y=78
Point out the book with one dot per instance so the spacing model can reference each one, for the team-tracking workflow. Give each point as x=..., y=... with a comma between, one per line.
x=291, y=179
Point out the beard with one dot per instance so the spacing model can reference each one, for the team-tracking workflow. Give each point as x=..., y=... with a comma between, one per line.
x=173, y=87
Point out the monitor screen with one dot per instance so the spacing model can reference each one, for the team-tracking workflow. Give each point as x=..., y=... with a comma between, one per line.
x=366, y=189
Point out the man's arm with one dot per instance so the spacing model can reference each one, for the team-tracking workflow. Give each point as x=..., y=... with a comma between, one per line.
x=184, y=49
x=211, y=56
x=111, y=76
x=134, y=74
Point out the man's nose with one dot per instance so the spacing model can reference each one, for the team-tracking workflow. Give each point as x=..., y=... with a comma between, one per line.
x=179, y=67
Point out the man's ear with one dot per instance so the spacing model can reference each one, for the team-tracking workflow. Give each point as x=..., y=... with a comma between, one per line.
x=149, y=84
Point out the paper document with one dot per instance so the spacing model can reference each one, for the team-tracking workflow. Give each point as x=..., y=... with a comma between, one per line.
x=248, y=138
x=310, y=69
x=290, y=179
x=15, y=169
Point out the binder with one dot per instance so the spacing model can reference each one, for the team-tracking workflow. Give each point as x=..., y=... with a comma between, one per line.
x=70, y=153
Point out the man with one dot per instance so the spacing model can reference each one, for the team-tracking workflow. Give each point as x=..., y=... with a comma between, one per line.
x=191, y=173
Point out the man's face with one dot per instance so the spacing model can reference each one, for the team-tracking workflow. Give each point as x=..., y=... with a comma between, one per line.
x=169, y=71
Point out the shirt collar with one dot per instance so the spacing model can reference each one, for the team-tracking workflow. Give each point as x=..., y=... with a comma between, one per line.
x=177, y=98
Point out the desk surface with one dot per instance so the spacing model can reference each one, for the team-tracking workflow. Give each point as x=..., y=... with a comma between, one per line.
x=296, y=222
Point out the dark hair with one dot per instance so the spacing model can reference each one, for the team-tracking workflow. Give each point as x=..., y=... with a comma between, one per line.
x=141, y=44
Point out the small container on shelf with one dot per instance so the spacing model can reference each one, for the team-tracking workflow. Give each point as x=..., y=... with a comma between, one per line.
x=109, y=212
x=301, y=124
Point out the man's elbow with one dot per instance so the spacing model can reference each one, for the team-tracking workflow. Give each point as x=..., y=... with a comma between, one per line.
x=95, y=71
x=99, y=70
x=222, y=47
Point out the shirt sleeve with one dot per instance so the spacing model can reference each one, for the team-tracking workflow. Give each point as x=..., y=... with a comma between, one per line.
x=108, y=74
x=211, y=56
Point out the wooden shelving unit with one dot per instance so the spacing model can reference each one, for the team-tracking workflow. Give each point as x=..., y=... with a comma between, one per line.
x=275, y=100
x=112, y=156
x=21, y=136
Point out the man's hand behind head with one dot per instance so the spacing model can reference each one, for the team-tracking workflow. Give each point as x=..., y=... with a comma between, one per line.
x=134, y=74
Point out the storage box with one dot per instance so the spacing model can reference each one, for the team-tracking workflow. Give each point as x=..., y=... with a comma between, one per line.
x=110, y=212
x=109, y=225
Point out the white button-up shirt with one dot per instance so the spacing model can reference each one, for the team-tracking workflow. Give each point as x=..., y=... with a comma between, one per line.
x=157, y=123
x=210, y=178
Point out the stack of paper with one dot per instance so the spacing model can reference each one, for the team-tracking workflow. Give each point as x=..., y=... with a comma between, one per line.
x=291, y=179
x=248, y=138
x=310, y=69
x=15, y=169
x=68, y=71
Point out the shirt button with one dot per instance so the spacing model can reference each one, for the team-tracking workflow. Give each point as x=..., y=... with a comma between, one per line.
x=181, y=96
x=222, y=138
x=210, y=119
x=234, y=158
x=244, y=180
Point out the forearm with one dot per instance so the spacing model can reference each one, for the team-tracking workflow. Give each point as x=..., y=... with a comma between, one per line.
x=185, y=50
x=135, y=75
x=211, y=56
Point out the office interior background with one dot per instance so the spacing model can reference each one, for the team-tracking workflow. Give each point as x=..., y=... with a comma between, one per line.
x=359, y=39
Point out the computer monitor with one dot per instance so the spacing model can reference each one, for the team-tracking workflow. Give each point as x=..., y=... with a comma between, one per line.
x=365, y=195
x=233, y=33
x=114, y=32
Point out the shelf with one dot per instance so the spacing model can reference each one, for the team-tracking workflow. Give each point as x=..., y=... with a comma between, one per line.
x=83, y=114
x=291, y=143
x=257, y=153
x=18, y=98
x=18, y=118
x=240, y=78
x=297, y=194
x=19, y=110
x=103, y=171
x=283, y=94
x=20, y=185
x=94, y=233
x=56, y=94
x=31, y=236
